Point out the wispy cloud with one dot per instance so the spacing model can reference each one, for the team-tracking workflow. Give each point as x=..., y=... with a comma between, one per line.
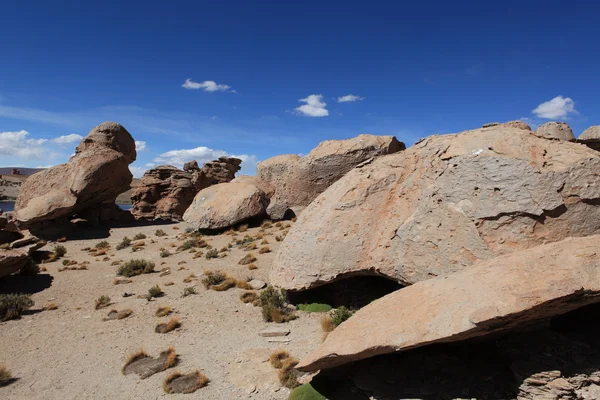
x=557, y=108
x=349, y=98
x=140, y=145
x=314, y=107
x=68, y=139
x=207, y=86
x=17, y=144
x=204, y=154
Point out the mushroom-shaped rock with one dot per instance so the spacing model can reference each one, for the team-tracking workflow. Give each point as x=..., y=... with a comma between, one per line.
x=492, y=296
x=97, y=173
x=226, y=204
x=440, y=206
x=555, y=130
x=299, y=180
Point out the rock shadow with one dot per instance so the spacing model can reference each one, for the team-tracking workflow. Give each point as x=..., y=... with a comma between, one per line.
x=560, y=358
x=28, y=284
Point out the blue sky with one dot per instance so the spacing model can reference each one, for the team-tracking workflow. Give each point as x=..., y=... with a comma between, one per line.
x=270, y=77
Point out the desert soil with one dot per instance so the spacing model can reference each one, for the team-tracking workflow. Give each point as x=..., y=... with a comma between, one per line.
x=71, y=353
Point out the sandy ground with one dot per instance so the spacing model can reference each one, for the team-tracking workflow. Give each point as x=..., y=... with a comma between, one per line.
x=70, y=353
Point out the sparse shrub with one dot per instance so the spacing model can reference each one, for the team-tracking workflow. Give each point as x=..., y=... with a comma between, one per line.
x=249, y=297
x=188, y=244
x=180, y=383
x=163, y=311
x=314, y=307
x=155, y=291
x=126, y=242
x=212, y=253
x=279, y=238
x=264, y=249
x=340, y=315
x=59, y=250
x=6, y=377
x=274, y=306
x=188, y=291
x=102, y=245
x=165, y=253
x=159, y=233
x=218, y=281
x=135, y=267
x=248, y=259
x=68, y=262
x=139, y=236
x=169, y=326
x=102, y=302
x=242, y=228
x=287, y=375
x=13, y=305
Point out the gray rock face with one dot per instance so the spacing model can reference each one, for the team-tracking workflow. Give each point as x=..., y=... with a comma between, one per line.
x=555, y=130
x=298, y=181
x=442, y=205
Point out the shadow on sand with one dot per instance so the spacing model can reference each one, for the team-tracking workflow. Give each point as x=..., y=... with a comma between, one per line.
x=29, y=284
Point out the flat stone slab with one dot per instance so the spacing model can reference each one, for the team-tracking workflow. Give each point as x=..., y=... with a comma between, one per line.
x=257, y=284
x=274, y=332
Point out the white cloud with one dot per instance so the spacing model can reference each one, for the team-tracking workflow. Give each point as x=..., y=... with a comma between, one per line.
x=204, y=154
x=314, y=107
x=348, y=98
x=68, y=139
x=207, y=86
x=150, y=165
x=18, y=145
x=140, y=145
x=558, y=107
x=137, y=171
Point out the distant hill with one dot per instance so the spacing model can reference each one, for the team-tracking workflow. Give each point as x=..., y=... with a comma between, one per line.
x=24, y=171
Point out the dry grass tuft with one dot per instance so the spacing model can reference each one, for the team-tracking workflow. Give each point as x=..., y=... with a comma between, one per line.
x=169, y=326
x=264, y=249
x=249, y=297
x=252, y=266
x=277, y=357
x=274, y=306
x=266, y=224
x=189, y=383
x=61, y=240
x=169, y=283
x=265, y=241
x=51, y=306
x=102, y=302
x=287, y=375
x=189, y=278
x=118, y=281
x=243, y=285
x=242, y=228
x=135, y=267
x=138, y=355
x=6, y=377
x=163, y=311
x=248, y=259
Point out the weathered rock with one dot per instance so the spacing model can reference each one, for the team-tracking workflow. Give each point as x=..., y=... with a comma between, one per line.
x=9, y=236
x=555, y=130
x=12, y=261
x=191, y=166
x=591, y=137
x=165, y=192
x=493, y=296
x=591, y=133
x=490, y=124
x=298, y=181
x=97, y=173
x=517, y=124
x=274, y=332
x=442, y=205
x=257, y=284
x=226, y=204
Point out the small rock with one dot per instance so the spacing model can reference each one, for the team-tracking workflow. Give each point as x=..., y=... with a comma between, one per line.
x=274, y=332
x=257, y=284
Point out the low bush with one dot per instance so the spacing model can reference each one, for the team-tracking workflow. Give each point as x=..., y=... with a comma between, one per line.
x=139, y=236
x=13, y=305
x=126, y=242
x=274, y=306
x=102, y=302
x=135, y=267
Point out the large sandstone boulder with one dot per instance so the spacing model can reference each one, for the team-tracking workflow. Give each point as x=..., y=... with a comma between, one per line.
x=165, y=192
x=97, y=173
x=442, y=205
x=498, y=295
x=12, y=261
x=298, y=181
x=556, y=131
x=226, y=204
